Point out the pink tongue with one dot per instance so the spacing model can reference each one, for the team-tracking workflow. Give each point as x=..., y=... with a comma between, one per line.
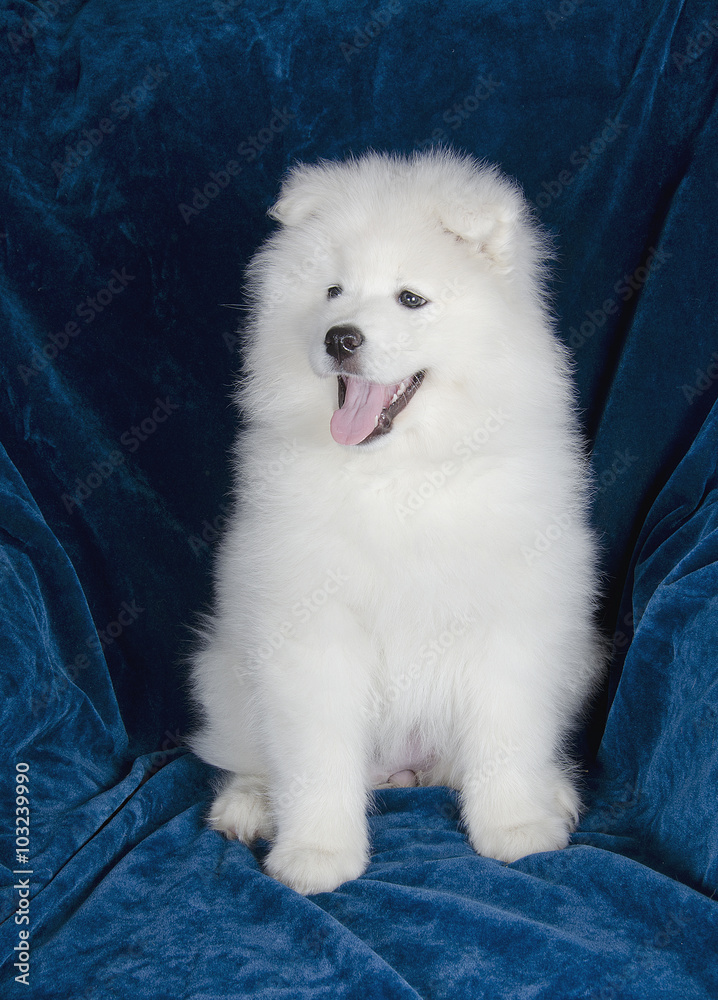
x=363, y=403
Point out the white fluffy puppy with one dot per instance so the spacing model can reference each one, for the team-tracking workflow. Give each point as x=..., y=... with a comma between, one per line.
x=406, y=592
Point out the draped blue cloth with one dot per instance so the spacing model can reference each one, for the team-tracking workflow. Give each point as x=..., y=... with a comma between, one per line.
x=141, y=146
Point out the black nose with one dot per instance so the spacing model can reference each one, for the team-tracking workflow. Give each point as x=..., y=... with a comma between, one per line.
x=342, y=341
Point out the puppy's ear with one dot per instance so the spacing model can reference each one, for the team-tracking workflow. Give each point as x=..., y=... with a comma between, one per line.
x=488, y=217
x=302, y=191
x=491, y=231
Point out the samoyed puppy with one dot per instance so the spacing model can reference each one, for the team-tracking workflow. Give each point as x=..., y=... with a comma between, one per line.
x=406, y=591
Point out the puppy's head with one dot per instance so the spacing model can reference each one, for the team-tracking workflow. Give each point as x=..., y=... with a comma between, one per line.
x=397, y=267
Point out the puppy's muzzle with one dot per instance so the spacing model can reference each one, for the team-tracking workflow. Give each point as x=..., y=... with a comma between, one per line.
x=342, y=341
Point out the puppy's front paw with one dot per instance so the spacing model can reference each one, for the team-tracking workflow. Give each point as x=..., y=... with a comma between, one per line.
x=310, y=869
x=242, y=813
x=509, y=843
x=543, y=822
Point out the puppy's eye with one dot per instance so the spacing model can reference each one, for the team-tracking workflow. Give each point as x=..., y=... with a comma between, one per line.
x=333, y=291
x=411, y=300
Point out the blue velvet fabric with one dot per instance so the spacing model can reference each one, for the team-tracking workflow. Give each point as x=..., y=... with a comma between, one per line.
x=141, y=145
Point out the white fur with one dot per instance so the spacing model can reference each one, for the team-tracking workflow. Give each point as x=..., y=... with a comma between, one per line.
x=423, y=601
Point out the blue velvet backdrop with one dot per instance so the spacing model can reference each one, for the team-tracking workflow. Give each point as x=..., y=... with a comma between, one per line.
x=142, y=143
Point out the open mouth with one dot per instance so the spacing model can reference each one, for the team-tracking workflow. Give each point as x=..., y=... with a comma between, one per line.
x=367, y=409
